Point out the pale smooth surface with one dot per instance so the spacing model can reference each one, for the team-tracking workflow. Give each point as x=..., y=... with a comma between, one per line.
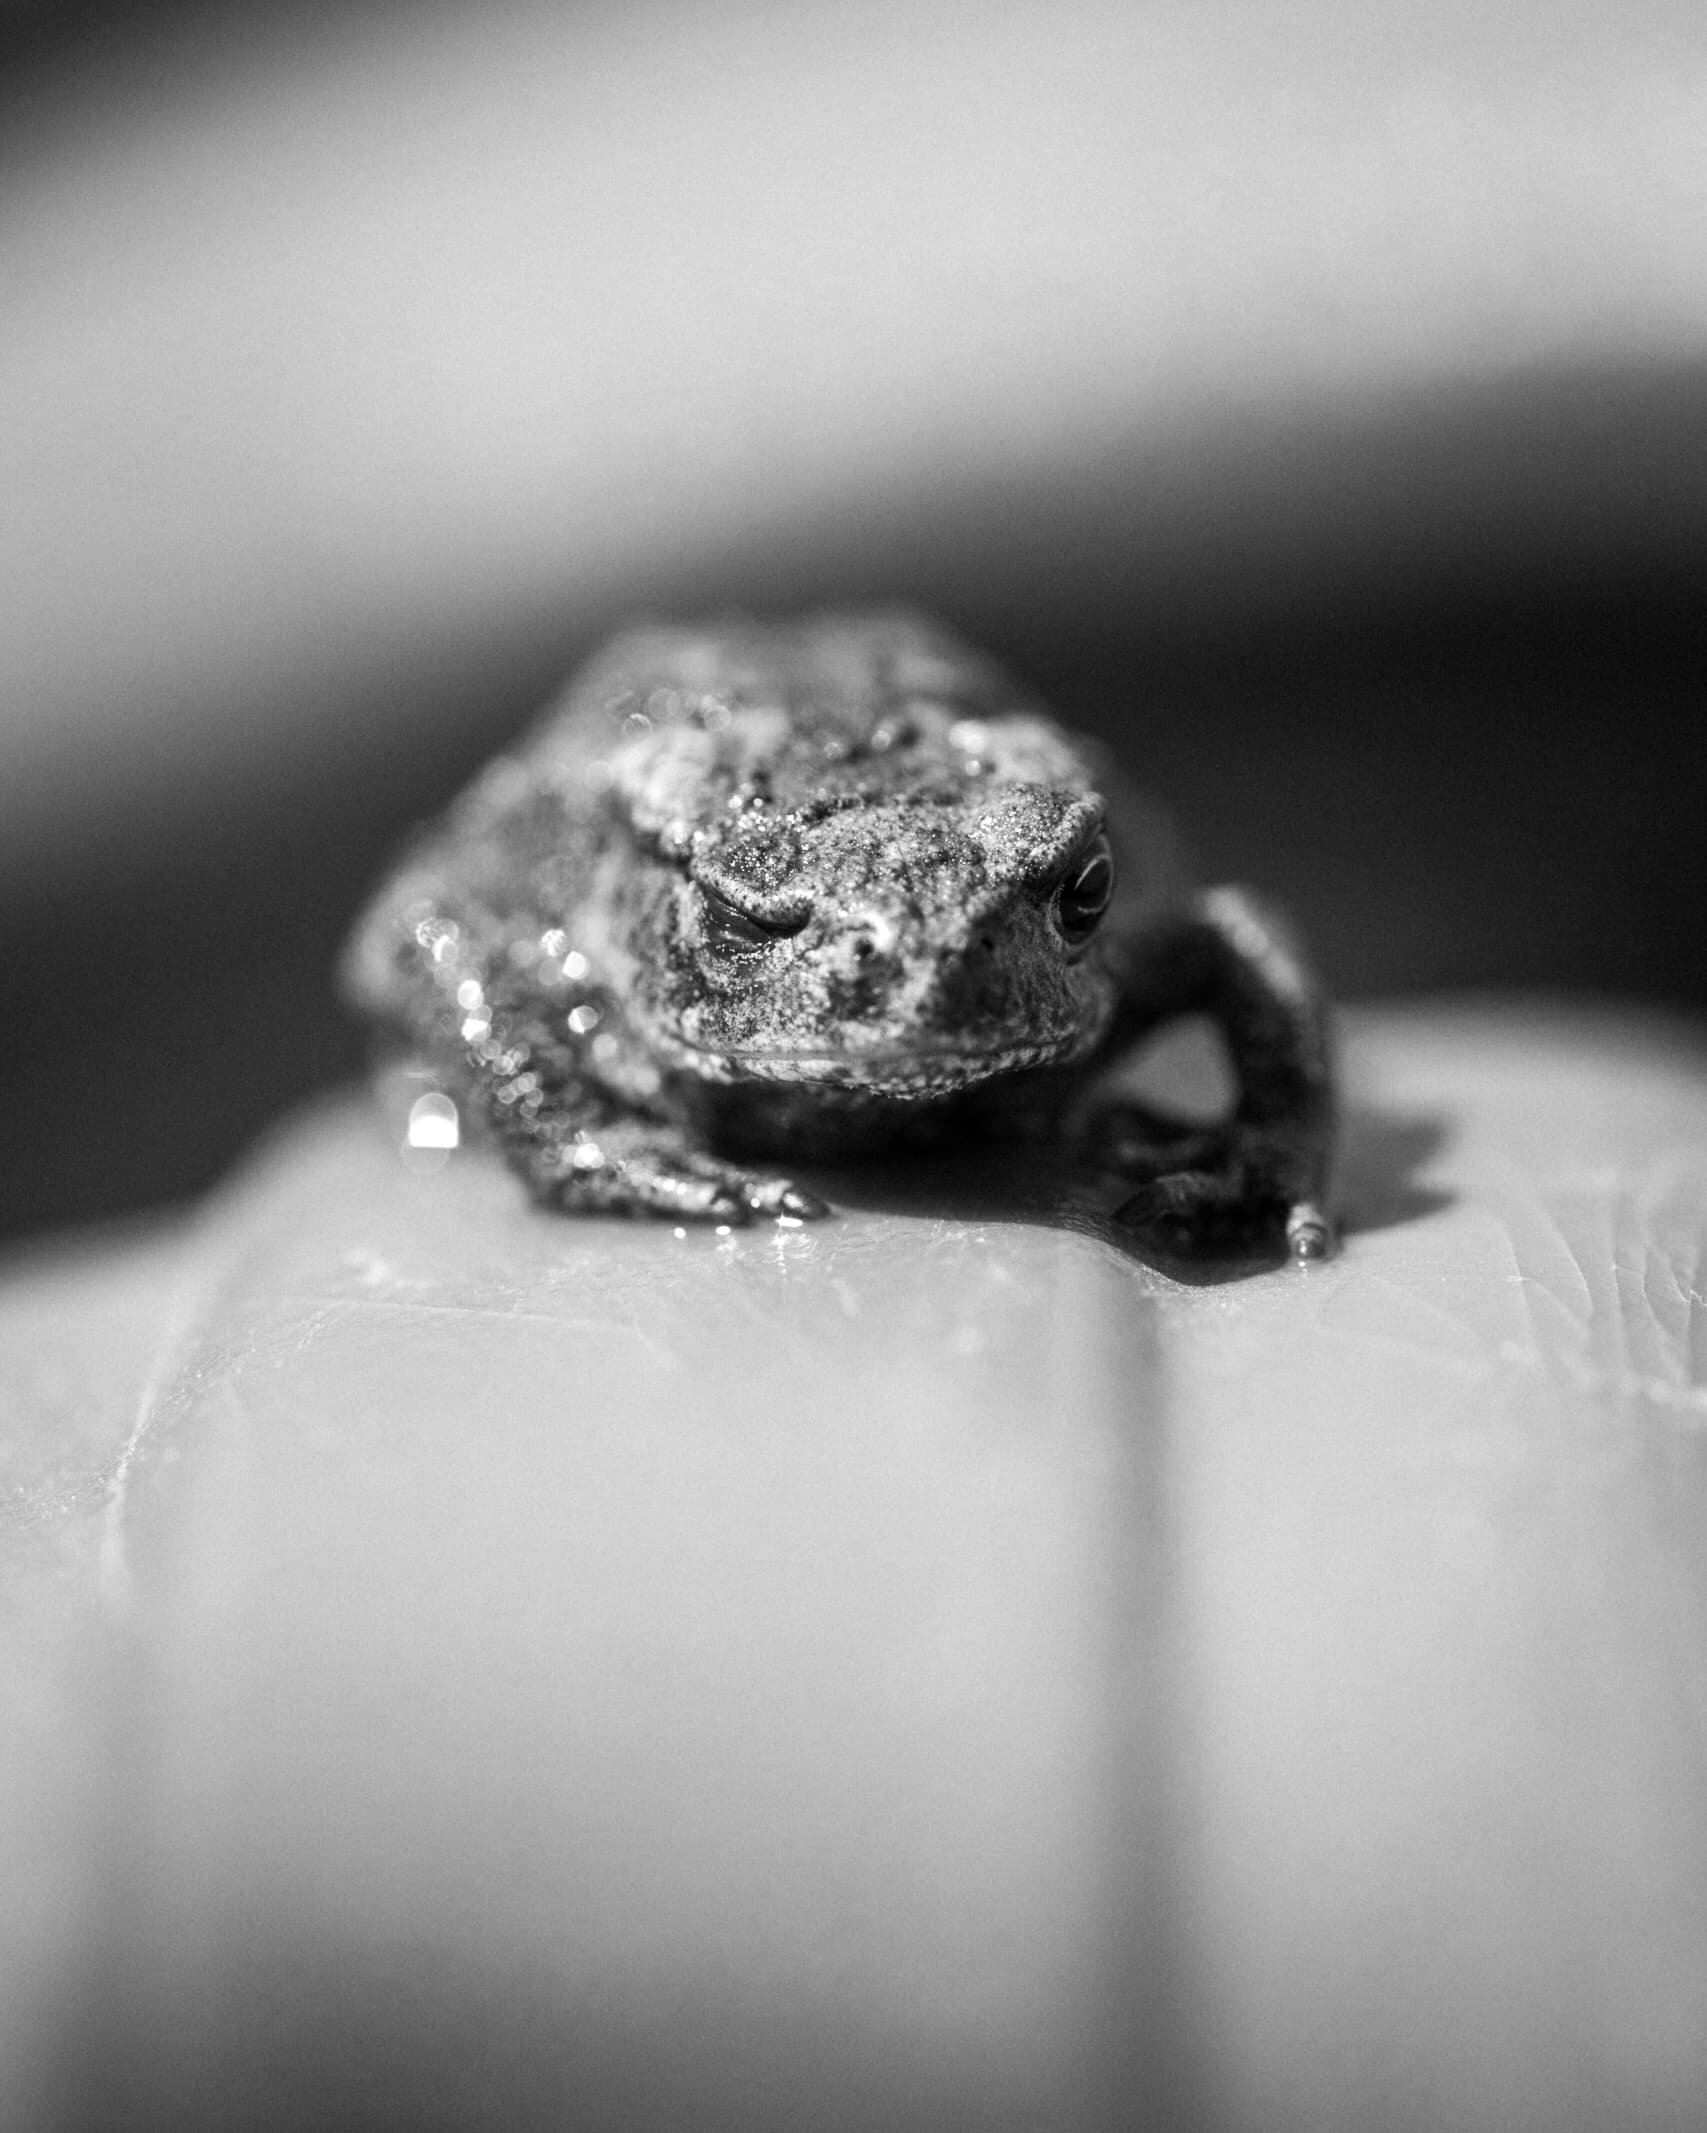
x=925, y=1670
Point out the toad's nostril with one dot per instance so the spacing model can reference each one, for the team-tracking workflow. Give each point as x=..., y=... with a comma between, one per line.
x=864, y=947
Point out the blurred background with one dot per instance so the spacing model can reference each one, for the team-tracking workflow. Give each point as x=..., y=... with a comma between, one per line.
x=1312, y=401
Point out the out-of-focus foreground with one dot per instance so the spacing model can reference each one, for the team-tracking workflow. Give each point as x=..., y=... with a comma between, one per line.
x=915, y=1671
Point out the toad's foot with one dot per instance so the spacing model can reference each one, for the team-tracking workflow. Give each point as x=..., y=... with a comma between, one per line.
x=1209, y=1214
x=1215, y=1192
x=631, y=1169
x=1309, y=1233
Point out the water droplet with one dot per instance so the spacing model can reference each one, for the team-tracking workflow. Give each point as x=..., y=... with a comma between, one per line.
x=433, y=1122
x=584, y=1018
x=432, y=1133
x=470, y=994
x=575, y=964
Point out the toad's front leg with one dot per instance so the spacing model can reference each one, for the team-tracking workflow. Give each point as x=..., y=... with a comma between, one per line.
x=1262, y=1176
x=581, y=1144
x=540, y=1057
x=641, y=1166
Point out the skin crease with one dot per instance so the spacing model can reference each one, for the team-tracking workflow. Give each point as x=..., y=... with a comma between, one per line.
x=766, y=891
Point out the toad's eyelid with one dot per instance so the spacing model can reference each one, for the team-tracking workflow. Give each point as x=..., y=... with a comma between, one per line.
x=1048, y=874
x=727, y=912
x=1094, y=845
x=1094, y=833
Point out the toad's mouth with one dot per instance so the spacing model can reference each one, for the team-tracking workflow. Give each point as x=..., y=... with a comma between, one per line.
x=915, y=1069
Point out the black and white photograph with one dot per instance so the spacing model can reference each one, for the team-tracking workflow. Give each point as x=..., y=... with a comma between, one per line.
x=853, y=1085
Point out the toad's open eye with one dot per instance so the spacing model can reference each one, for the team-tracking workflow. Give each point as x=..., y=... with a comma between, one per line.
x=729, y=930
x=1084, y=894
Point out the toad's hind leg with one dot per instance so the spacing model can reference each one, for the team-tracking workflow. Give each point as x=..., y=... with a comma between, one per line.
x=1262, y=1176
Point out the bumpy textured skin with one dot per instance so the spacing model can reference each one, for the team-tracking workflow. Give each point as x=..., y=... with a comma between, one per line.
x=753, y=893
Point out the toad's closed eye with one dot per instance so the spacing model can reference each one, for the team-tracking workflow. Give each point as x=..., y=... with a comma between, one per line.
x=727, y=928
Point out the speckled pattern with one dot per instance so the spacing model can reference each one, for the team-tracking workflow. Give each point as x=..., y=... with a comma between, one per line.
x=801, y=889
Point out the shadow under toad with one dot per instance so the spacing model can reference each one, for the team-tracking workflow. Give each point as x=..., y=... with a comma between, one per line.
x=1382, y=1154
x=1377, y=1187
